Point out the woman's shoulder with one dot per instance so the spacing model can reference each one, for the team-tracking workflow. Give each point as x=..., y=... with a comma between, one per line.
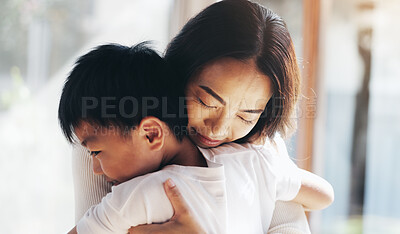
x=275, y=143
x=229, y=148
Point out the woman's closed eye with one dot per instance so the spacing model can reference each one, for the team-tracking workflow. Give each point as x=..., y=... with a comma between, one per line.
x=205, y=105
x=249, y=122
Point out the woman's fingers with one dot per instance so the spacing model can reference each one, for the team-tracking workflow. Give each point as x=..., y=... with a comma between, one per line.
x=175, y=197
x=149, y=228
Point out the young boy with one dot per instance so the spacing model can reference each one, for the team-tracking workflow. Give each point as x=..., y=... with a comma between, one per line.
x=119, y=104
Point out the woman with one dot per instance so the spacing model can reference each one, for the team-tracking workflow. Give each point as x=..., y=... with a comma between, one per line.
x=224, y=55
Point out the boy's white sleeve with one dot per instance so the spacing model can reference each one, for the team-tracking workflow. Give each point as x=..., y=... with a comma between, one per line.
x=289, y=218
x=104, y=218
x=288, y=181
x=129, y=204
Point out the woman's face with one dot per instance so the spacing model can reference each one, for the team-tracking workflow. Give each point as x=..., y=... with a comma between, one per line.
x=225, y=99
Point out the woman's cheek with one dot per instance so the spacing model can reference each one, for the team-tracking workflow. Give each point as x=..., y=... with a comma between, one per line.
x=195, y=113
x=240, y=130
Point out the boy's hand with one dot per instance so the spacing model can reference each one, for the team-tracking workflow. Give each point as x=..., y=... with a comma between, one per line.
x=181, y=222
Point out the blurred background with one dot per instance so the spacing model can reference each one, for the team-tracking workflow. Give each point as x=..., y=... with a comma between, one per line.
x=349, y=115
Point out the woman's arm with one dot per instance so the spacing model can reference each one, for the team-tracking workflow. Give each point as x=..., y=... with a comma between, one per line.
x=315, y=193
x=89, y=188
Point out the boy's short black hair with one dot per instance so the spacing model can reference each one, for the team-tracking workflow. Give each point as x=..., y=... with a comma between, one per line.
x=115, y=85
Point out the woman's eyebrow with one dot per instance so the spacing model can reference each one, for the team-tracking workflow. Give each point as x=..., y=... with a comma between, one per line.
x=212, y=93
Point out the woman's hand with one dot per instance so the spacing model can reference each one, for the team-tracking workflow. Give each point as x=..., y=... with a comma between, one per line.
x=181, y=222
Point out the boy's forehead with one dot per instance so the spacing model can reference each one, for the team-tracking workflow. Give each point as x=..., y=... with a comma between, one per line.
x=84, y=129
x=91, y=132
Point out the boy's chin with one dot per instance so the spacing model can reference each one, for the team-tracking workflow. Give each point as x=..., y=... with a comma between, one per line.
x=112, y=181
x=115, y=183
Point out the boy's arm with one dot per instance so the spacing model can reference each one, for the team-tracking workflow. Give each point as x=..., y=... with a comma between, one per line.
x=315, y=193
x=288, y=217
x=105, y=218
x=138, y=201
x=182, y=221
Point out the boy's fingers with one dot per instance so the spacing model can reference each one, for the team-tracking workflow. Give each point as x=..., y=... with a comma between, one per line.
x=175, y=197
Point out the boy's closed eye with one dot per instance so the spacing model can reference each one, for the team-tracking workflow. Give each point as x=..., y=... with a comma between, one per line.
x=94, y=153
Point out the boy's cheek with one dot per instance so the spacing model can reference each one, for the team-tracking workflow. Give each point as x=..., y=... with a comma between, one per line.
x=97, y=169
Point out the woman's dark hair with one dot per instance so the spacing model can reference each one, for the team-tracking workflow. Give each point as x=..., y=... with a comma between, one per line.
x=243, y=30
x=117, y=86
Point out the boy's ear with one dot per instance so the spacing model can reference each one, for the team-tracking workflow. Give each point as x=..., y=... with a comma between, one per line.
x=152, y=129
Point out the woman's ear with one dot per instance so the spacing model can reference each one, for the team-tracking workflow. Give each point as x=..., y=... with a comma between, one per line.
x=151, y=128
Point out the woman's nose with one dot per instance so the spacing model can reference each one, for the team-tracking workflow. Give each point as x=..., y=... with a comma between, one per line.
x=220, y=125
x=97, y=166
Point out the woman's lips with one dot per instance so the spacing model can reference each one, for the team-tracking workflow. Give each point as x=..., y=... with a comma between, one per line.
x=207, y=141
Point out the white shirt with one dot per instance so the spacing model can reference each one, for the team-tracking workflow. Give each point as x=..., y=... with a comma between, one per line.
x=243, y=203
x=257, y=176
